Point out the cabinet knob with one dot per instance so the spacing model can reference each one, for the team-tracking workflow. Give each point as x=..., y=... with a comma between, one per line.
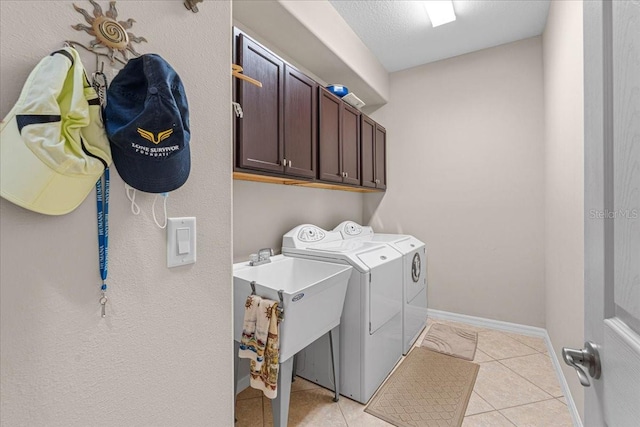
x=289, y=163
x=346, y=174
x=284, y=162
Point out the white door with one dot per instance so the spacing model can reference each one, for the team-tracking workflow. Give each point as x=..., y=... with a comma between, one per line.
x=612, y=209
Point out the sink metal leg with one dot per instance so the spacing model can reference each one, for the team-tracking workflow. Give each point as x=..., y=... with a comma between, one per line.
x=334, y=342
x=280, y=405
x=236, y=363
x=295, y=365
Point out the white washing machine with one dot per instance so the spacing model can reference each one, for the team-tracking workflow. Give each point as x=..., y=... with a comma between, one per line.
x=371, y=322
x=414, y=275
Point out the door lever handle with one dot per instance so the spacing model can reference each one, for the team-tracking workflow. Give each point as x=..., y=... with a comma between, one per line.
x=573, y=357
x=588, y=358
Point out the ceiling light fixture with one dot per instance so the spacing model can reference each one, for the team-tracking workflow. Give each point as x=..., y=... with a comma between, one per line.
x=440, y=11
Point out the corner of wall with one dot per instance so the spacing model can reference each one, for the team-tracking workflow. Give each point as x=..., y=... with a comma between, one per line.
x=564, y=182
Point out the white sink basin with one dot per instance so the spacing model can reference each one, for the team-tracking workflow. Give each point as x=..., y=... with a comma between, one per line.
x=313, y=295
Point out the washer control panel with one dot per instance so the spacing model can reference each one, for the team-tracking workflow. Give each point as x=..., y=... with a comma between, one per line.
x=352, y=229
x=307, y=235
x=310, y=234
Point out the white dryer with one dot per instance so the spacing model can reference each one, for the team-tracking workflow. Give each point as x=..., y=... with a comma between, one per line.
x=371, y=323
x=414, y=275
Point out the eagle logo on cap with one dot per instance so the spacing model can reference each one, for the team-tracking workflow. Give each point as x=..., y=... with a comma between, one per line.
x=151, y=137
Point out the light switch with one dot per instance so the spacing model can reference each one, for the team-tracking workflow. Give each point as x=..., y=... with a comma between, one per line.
x=181, y=241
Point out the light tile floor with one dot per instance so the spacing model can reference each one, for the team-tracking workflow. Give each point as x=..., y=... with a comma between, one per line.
x=516, y=386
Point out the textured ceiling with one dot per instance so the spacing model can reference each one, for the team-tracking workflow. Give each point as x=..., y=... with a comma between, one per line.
x=400, y=34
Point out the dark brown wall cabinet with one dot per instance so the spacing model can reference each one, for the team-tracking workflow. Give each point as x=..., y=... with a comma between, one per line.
x=293, y=128
x=278, y=131
x=374, y=145
x=300, y=123
x=339, y=140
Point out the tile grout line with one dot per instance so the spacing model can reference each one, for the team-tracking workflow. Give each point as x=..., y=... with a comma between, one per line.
x=507, y=418
x=495, y=410
x=525, y=404
x=484, y=400
x=515, y=357
x=524, y=355
x=512, y=339
x=525, y=344
x=478, y=413
x=522, y=404
x=511, y=357
x=532, y=348
x=556, y=379
x=344, y=417
x=528, y=380
x=482, y=412
x=518, y=406
x=478, y=393
x=474, y=385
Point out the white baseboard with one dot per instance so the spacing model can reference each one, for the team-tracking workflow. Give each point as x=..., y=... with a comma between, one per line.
x=243, y=383
x=531, y=331
x=577, y=422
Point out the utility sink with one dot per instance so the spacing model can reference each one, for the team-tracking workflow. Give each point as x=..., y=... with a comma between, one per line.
x=313, y=296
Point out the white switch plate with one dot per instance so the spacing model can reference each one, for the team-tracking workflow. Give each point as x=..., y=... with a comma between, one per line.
x=181, y=241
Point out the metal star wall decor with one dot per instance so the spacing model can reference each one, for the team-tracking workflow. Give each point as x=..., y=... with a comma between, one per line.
x=111, y=35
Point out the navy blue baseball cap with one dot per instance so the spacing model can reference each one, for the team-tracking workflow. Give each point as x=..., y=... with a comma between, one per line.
x=147, y=122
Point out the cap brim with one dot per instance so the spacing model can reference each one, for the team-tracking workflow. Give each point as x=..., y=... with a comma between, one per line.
x=152, y=175
x=27, y=182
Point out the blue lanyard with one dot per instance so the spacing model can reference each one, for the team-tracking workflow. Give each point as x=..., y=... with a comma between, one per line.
x=103, y=233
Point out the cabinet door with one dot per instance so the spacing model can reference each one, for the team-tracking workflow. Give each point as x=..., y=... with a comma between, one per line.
x=368, y=140
x=350, y=145
x=381, y=157
x=259, y=136
x=330, y=144
x=300, y=123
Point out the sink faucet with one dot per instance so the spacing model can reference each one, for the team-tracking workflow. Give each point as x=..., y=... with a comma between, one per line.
x=264, y=257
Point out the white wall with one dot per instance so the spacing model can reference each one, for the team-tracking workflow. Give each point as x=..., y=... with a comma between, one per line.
x=163, y=354
x=262, y=213
x=466, y=176
x=564, y=212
